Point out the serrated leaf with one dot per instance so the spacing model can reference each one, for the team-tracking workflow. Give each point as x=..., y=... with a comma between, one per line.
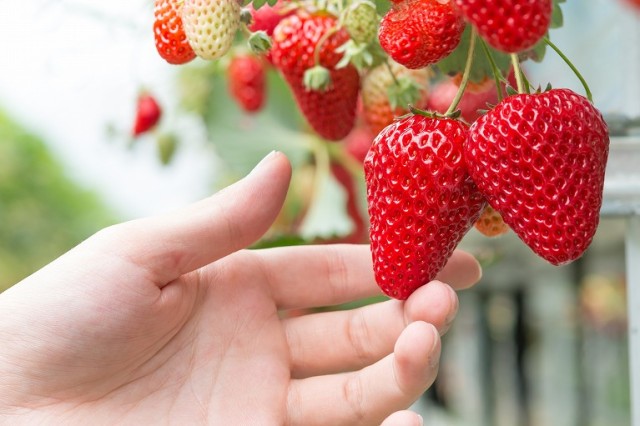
x=481, y=69
x=327, y=216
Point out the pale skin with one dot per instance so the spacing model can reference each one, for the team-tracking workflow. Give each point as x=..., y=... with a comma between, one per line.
x=169, y=320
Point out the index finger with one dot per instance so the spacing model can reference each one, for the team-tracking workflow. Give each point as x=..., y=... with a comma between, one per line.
x=325, y=275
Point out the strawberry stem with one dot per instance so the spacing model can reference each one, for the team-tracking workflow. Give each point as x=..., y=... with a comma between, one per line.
x=393, y=76
x=316, y=53
x=573, y=68
x=517, y=70
x=465, y=75
x=497, y=75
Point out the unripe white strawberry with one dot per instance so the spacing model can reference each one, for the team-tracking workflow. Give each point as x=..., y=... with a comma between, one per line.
x=210, y=26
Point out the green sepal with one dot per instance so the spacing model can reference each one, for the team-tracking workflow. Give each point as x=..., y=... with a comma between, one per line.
x=362, y=56
x=511, y=90
x=259, y=42
x=317, y=78
x=405, y=92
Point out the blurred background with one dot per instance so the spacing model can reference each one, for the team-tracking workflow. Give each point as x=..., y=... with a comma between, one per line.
x=533, y=344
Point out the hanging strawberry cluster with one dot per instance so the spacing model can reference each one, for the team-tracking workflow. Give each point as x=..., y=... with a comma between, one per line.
x=417, y=74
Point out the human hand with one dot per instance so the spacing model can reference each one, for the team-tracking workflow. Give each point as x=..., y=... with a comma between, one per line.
x=166, y=320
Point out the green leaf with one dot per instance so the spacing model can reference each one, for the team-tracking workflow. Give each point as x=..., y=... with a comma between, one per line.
x=241, y=141
x=481, y=69
x=272, y=2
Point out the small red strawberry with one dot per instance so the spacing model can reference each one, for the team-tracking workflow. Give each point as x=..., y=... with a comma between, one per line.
x=148, y=113
x=170, y=38
x=540, y=159
x=246, y=74
x=490, y=223
x=417, y=33
x=421, y=200
x=267, y=17
x=211, y=26
x=377, y=110
x=508, y=25
x=331, y=112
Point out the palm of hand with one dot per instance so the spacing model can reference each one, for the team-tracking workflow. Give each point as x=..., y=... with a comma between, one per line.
x=149, y=322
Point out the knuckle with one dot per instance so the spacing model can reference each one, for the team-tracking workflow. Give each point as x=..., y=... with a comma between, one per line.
x=353, y=394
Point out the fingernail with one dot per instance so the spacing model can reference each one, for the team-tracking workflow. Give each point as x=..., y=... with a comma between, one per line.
x=264, y=161
x=434, y=355
x=420, y=420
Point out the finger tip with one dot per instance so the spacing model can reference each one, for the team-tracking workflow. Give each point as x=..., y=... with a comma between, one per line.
x=435, y=303
x=417, y=353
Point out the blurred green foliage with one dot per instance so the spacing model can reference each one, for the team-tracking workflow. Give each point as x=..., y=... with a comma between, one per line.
x=42, y=212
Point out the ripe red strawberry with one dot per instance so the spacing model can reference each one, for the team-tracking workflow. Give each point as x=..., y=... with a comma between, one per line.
x=148, y=113
x=421, y=200
x=246, y=74
x=490, y=223
x=170, y=38
x=508, y=25
x=376, y=108
x=417, y=33
x=331, y=113
x=539, y=160
x=211, y=26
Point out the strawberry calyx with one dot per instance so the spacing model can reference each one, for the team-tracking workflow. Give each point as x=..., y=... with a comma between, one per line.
x=260, y=42
x=317, y=78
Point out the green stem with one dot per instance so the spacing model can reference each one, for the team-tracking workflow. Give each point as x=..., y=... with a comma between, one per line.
x=573, y=68
x=393, y=76
x=465, y=75
x=497, y=75
x=518, y=72
x=323, y=39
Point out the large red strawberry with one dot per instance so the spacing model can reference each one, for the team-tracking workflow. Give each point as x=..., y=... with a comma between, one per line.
x=417, y=33
x=540, y=159
x=421, y=200
x=330, y=112
x=148, y=113
x=508, y=25
x=170, y=38
x=246, y=74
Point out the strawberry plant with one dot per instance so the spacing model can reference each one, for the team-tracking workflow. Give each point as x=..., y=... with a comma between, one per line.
x=409, y=123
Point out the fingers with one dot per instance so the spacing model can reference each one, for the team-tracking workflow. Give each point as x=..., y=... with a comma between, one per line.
x=173, y=244
x=368, y=396
x=320, y=275
x=360, y=337
x=403, y=418
x=311, y=276
x=461, y=271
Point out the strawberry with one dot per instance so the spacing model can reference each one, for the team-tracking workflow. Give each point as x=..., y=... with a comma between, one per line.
x=417, y=33
x=266, y=17
x=170, y=38
x=473, y=99
x=246, y=74
x=148, y=113
x=421, y=200
x=211, y=26
x=490, y=223
x=361, y=21
x=508, y=25
x=376, y=107
x=331, y=112
x=539, y=159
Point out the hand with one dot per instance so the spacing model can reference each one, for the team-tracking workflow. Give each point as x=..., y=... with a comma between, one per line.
x=167, y=320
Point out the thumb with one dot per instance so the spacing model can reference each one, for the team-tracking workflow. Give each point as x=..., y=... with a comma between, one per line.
x=235, y=217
